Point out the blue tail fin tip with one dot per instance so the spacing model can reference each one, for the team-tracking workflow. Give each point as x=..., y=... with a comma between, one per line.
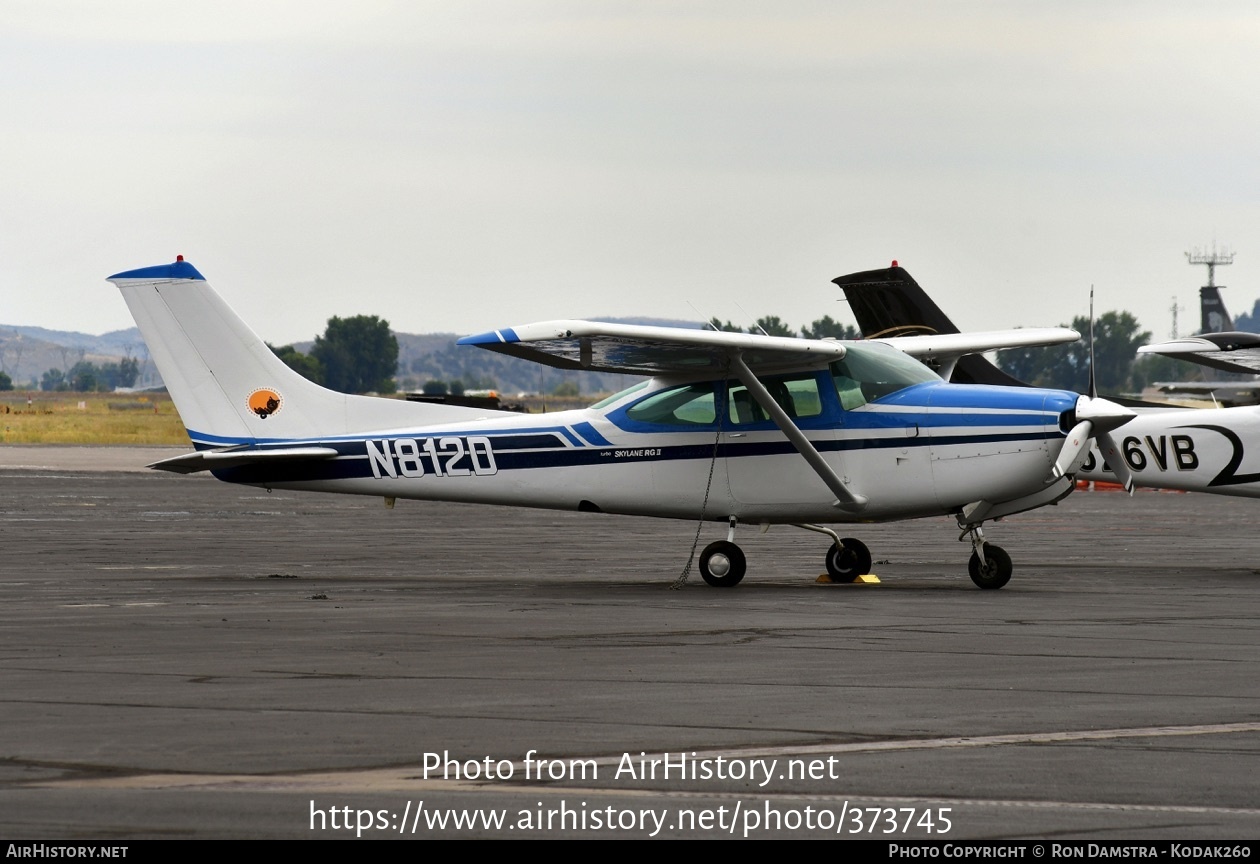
x=180, y=269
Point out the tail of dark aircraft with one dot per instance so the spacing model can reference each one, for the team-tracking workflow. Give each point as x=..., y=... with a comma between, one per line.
x=1215, y=319
x=890, y=303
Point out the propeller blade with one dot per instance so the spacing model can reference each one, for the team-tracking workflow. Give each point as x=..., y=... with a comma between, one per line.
x=1073, y=451
x=1115, y=460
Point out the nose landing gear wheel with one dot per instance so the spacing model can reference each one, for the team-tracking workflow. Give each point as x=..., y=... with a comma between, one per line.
x=996, y=569
x=722, y=564
x=847, y=562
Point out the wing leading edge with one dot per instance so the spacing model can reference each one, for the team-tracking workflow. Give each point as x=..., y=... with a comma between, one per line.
x=644, y=350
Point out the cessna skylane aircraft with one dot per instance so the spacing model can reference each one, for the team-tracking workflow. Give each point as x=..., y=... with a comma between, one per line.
x=1214, y=450
x=730, y=427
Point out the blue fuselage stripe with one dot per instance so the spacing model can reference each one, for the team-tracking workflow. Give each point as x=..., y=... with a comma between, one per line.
x=353, y=461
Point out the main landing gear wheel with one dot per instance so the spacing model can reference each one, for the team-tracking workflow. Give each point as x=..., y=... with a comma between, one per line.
x=996, y=569
x=845, y=563
x=722, y=564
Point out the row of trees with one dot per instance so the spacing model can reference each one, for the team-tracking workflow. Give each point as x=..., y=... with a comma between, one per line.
x=1116, y=339
x=87, y=377
x=1117, y=369
x=772, y=325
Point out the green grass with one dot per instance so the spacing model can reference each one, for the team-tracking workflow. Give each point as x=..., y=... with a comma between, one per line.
x=113, y=418
x=89, y=418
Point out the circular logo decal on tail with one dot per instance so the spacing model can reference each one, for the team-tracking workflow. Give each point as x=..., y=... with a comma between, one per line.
x=265, y=402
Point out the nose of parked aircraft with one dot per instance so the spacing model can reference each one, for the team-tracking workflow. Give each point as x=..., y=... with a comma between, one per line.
x=1096, y=418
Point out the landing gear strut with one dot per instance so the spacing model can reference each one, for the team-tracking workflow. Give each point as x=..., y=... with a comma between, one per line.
x=990, y=567
x=847, y=559
x=723, y=565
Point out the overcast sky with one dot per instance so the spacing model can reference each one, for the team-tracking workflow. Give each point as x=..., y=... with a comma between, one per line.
x=463, y=166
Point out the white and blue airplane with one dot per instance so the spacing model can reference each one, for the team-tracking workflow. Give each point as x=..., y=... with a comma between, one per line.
x=730, y=427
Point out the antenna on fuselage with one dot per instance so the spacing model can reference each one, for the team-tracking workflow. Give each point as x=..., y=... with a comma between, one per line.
x=708, y=319
x=1093, y=385
x=749, y=317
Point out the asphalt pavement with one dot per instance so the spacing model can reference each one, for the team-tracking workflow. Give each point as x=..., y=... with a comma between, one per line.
x=180, y=658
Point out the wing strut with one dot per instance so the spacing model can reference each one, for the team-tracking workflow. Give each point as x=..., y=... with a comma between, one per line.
x=847, y=499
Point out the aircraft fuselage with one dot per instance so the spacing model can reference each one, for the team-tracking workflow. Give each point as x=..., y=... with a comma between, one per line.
x=1210, y=450
x=927, y=449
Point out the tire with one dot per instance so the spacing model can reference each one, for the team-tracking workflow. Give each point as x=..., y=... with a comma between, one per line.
x=722, y=564
x=847, y=562
x=996, y=570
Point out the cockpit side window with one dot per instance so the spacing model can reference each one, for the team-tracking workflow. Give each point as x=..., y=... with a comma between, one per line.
x=848, y=389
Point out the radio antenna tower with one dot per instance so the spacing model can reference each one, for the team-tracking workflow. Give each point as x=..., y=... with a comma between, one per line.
x=1175, y=309
x=1215, y=319
x=1211, y=259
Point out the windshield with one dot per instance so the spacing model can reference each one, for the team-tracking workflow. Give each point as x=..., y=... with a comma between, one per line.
x=871, y=372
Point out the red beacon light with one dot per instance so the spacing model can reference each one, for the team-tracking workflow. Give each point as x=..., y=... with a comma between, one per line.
x=894, y=264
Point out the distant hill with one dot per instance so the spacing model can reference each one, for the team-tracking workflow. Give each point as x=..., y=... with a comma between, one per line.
x=114, y=343
x=26, y=353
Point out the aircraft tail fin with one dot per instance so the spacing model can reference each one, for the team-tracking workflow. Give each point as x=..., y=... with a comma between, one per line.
x=228, y=386
x=889, y=302
x=1212, y=308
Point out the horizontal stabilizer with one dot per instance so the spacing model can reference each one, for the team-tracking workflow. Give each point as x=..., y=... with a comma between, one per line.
x=209, y=460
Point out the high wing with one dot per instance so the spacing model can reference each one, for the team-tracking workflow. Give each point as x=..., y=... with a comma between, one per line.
x=1230, y=352
x=643, y=350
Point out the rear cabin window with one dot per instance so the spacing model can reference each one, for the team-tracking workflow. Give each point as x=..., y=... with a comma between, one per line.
x=691, y=405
